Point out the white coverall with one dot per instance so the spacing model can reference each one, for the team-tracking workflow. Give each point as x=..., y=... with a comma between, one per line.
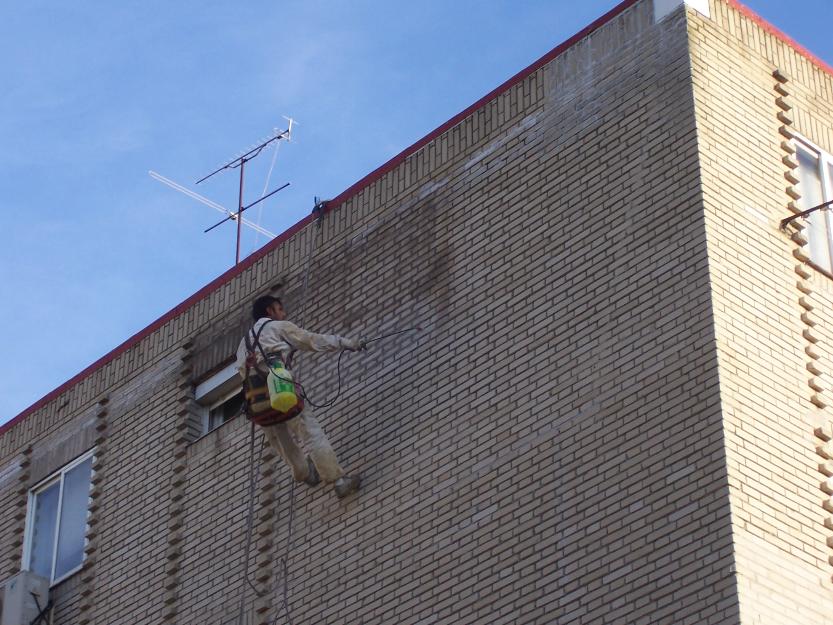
x=280, y=337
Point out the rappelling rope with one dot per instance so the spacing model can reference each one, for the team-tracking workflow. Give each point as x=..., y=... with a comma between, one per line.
x=254, y=473
x=284, y=561
x=283, y=607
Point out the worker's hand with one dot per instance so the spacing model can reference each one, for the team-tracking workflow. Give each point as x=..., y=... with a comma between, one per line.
x=356, y=345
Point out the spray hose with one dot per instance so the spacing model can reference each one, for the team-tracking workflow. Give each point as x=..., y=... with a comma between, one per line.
x=364, y=343
x=385, y=336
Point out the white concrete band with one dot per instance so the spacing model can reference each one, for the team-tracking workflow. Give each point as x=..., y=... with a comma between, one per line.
x=664, y=7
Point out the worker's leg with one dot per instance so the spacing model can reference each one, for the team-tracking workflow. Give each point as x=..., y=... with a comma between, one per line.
x=281, y=440
x=307, y=429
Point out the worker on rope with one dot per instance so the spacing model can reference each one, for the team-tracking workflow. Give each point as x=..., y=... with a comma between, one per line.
x=273, y=337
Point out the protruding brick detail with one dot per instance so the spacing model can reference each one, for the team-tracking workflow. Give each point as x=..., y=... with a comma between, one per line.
x=18, y=516
x=261, y=608
x=824, y=450
x=263, y=551
x=87, y=585
x=791, y=176
x=177, y=483
x=817, y=390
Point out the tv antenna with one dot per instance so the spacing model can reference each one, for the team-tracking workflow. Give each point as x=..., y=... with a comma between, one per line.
x=218, y=207
x=239, y=161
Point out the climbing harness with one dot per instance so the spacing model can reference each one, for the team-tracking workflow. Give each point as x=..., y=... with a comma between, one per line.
x=270, y=398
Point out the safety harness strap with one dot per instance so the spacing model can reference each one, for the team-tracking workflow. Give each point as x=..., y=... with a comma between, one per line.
x=250, y=347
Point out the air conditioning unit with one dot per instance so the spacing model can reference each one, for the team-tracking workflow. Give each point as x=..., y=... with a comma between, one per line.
x=24, y=596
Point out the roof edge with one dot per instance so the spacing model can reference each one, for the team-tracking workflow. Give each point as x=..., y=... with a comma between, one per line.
x=779, y=34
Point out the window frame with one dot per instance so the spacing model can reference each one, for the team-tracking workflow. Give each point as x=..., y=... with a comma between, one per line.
x=207, y=409
x=56, y=477
x=214, y=392
x=825, y=173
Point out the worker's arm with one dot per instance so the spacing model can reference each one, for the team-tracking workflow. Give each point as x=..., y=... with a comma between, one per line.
x=240, y=359
x=310, y=341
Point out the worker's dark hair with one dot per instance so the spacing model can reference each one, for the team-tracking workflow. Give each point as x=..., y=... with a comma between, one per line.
x=261, y=304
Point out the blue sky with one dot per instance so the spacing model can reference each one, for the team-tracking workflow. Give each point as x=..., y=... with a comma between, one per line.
x=96, y=94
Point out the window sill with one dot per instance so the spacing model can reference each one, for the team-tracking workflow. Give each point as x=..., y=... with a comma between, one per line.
x=823, y=272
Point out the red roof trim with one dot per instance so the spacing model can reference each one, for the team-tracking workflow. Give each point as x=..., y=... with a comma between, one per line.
x=772, y=30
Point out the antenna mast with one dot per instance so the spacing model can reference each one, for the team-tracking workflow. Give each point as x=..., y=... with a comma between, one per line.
x=240, y=162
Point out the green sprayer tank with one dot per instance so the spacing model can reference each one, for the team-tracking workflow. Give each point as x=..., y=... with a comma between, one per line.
x=282, y=395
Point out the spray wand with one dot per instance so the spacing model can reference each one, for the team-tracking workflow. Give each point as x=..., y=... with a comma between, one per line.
x=385, y=336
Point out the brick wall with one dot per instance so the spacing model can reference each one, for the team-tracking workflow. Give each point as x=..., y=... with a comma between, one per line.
x=772, y=309
x=551, y=448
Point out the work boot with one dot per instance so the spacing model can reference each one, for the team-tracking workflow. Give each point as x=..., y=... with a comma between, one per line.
x=347, y=485
x=313, y=479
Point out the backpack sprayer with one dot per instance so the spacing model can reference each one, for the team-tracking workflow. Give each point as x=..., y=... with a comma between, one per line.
x=279, y=397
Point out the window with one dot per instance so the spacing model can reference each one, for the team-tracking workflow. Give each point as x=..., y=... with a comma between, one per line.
x=223, y=410
x=56, y=523
x=815, y=172
x=220, y=396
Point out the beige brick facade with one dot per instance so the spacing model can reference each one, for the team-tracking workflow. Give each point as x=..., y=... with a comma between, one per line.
x=772, y=310
x=617, y=411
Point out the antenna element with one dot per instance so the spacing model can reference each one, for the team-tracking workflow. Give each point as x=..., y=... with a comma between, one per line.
x=240, y=162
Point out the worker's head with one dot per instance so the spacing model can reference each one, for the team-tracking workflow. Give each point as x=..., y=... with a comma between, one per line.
x=268, y=306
